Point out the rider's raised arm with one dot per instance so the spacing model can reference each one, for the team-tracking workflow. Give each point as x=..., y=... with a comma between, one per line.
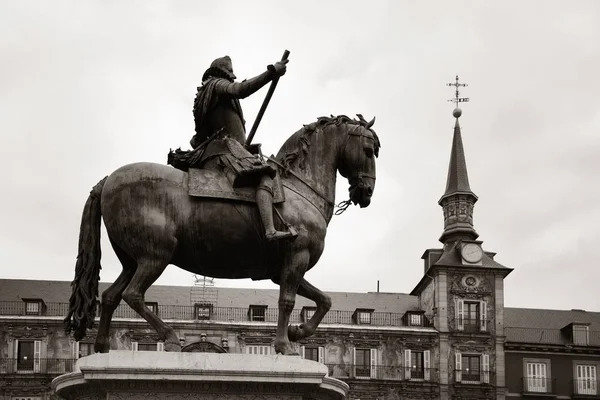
x=241, y=90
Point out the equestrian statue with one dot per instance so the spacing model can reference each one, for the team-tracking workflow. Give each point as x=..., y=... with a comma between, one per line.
x=223, y=210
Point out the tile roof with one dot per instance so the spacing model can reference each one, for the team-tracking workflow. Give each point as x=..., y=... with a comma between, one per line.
x=549, y=319
x=59, y=292
x=539, y=326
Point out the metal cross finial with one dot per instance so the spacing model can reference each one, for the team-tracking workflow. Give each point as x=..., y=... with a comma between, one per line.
x=457, y=99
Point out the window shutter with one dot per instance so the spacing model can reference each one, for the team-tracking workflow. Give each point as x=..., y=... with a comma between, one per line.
x=134, y=346
x=160, y=346
x=485, y=361
x=354, y=362
x=483, y=316
x=426, y=364
x=458, y=366
x=373, y=363
x=460, y=314
x=321, y=351
x=37, y=355
x=75, y=350
x=302, y=352
x=407, y=361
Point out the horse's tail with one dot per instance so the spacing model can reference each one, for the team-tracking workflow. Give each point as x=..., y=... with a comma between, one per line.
x=82, y=304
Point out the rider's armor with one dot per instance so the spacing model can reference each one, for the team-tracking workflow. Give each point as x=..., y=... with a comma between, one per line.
x=219, y=125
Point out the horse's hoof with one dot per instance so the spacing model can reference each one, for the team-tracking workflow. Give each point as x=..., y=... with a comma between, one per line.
x=100, y=348
x=172, y=347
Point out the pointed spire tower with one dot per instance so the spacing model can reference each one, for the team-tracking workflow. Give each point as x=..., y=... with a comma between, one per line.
x=458, y=199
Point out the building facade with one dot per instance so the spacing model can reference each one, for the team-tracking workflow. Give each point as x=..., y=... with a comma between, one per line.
x=450, y=338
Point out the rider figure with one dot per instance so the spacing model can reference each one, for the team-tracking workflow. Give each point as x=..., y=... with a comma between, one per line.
x=219, y=125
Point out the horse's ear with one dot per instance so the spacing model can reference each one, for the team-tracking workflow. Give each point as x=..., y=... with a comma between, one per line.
x=371, y=122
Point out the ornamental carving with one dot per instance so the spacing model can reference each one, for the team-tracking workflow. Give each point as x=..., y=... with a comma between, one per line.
x=27, y=332
x=203, y=347
x=470, y=284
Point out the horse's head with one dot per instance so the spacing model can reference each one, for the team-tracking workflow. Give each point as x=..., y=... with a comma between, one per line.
x=356, y=160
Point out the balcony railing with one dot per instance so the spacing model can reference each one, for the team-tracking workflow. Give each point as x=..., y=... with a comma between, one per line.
x=384, y=372
x=470, y=325
x=531, y=385
x=51, y=366
x=231, y=314
x=586, y=387
x=473, y=377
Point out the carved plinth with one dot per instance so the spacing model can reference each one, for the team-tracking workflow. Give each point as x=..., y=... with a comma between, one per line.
x=121, y=375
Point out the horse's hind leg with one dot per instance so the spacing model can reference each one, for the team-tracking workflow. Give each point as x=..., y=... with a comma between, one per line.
x=149, y=268
x=292, y=272
x=305, y=289
x=111, y=298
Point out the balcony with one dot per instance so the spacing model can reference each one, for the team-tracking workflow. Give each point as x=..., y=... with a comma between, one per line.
x=49, y=366
x=586, y=389
x=470, y=325
x=223, y=314
x=468, y=376
x=541, y=387
x=382, y=372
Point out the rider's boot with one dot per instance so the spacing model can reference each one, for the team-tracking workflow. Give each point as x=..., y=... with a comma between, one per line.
x=264, y=200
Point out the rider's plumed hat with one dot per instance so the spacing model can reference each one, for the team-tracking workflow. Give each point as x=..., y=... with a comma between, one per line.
x=220, y=68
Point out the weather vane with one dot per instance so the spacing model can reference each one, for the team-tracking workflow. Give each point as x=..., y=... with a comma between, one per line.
x=456, y=98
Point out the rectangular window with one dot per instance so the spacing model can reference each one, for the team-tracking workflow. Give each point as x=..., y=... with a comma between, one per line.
x=32, y=308
x=84, y=349
x=257, y=313
x=580, y=335
x=147, y=347
x=536, y=380
x=152, y=306
x=417, y=365
x=365, y=363
x=362, y=363
x=471, y=368
x=314, y=353
x=416, y=320
x=364, y=317
x=203, y=311
x=28, y=356
x=471, y=316
x=260, y=350
x=586, y=380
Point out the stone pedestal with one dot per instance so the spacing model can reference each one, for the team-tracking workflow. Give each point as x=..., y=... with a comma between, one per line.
x=158, y=375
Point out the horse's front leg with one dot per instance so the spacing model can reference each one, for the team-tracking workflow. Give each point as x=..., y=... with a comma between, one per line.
x=305, y=289
x=292, y=272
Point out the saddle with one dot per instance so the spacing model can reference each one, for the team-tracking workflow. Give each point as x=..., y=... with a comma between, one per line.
x=212, y=184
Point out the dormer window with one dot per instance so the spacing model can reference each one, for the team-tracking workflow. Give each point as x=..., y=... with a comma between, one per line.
x=152, y=306
x=307, y=313
x=581, y=335
x=578, y=333
x=34, y=306
x=362, y=316
x=257, y=313
x=414, y=318
x=203, y=311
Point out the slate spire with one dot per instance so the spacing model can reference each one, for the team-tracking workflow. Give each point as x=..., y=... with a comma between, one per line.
x=458, y=199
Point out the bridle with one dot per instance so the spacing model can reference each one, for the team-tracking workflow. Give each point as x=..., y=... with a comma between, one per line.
x=356, y=177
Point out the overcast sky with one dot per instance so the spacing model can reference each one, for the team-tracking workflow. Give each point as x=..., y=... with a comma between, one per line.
x=86, y=87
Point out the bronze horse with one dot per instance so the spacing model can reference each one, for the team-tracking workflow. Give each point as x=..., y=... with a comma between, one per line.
x=152, y=222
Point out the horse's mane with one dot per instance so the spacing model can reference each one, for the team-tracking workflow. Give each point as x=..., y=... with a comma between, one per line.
x=296, y=147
